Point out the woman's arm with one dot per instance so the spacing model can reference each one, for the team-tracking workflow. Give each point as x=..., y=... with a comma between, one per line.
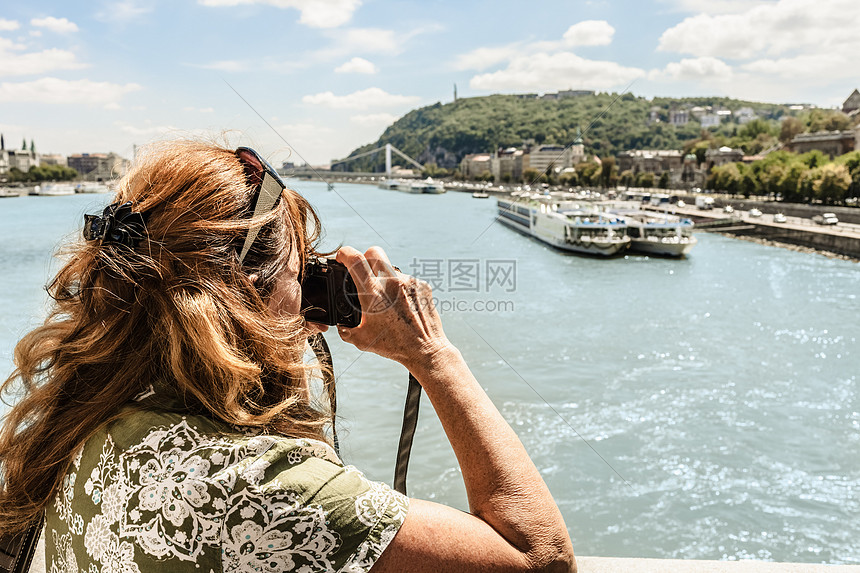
x=514, y=524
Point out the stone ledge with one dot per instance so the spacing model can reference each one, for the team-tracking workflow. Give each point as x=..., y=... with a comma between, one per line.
x=625, y=565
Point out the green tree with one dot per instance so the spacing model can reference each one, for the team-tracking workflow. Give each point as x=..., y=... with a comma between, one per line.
x=831, y=183
x=790, y=183
x=627, y=178
x=791, y=126
x=607, y=171
x=530, y=176
x=726, y=177
x=645, y=179
x=664, y=180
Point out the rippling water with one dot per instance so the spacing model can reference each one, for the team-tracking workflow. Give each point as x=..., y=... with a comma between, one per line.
x=698, y=408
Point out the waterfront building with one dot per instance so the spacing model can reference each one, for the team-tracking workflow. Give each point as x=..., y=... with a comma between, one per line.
x=22, y=159
x=544, y=157
x=650, y=161
x=475, y=164
x=98, y=166
x=721, y=156
x=52, y=159
x=852, y=104
x=833, y=143
x=508, y=164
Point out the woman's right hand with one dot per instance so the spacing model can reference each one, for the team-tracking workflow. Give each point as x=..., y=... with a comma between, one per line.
x=398, y=318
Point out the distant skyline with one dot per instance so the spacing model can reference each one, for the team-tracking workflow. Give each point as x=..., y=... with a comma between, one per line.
x=331, y=75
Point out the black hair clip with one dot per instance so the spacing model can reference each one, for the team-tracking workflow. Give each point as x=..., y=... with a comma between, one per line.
x=117, y=224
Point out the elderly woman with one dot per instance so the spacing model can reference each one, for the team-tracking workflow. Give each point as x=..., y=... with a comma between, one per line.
x=164, y=418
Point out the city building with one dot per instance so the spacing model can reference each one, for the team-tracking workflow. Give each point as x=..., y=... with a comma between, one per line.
x=679, y=117
x=98, y=166
x=52, y=159
x=833, y=143
x=650, y=160
x=852, y=104
x=709, y=120
x=22, y=159
x=721, y=156
x=475, y=164
x=555, y=157
x=745, y=115
x=509, y=164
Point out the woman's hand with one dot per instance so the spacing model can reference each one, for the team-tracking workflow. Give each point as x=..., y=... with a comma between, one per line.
x=398, y=318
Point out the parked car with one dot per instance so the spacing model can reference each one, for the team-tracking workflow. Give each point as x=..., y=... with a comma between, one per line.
x=826, y=219
x=729, y=209
x=779, y=218
x=754, y=213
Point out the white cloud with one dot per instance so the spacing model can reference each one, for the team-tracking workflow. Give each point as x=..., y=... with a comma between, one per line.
x=374, y=119
x=147, y=130
x=483, y=58
x=694, y=69
x=314, y=13
x=124, y=11
x=362, y=99
x=356, y=66
x=561, y=70
x=62, y=25
x=772, y=29
x=589, y=33
x=369, y=40
x=8, y=25
x=57, y=91
x=199, y=109
x=13, y=63
x=811, y=67
x=267, y=64
x=715, y=6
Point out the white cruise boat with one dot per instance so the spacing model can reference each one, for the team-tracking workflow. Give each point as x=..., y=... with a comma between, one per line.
x=430, y=185
x=567, y=226
x=658, y=233
x=53, y=189
x=400, y=185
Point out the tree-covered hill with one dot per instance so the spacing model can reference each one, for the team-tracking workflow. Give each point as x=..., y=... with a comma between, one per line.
x=444, y=133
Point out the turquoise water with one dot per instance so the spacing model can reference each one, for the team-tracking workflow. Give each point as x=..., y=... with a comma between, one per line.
x=698, y=408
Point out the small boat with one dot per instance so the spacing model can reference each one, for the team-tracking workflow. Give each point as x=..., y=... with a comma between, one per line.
x=658, y=233
x=53, y=189
x=429, y=186
x=89, y=187
x=400, y=185
x=480, y=195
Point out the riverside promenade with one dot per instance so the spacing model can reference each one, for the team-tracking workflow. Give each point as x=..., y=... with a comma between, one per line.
x=625, y=565
x=841, y=239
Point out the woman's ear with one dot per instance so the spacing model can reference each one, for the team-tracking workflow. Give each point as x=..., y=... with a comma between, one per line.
x=253, y=278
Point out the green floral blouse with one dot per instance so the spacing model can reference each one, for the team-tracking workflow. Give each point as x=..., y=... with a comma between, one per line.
x=162, y=491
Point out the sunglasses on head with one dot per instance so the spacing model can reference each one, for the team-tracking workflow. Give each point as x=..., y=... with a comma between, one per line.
x=268, y=188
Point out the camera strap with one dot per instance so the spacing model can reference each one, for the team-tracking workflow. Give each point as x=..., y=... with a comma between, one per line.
x=410, y=411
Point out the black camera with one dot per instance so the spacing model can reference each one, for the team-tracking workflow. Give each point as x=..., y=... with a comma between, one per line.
x=329, y=295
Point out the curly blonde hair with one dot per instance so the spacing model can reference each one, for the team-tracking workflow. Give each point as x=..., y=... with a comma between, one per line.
x=178, y=308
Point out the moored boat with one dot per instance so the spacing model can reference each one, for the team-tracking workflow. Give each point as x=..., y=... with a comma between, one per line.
x=53, y=189
x=567, y=226
x=658, y=233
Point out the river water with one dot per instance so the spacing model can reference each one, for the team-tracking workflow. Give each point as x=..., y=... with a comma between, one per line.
x=704, y=408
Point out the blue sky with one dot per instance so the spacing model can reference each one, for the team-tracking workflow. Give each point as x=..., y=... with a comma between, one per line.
x=330, y=75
